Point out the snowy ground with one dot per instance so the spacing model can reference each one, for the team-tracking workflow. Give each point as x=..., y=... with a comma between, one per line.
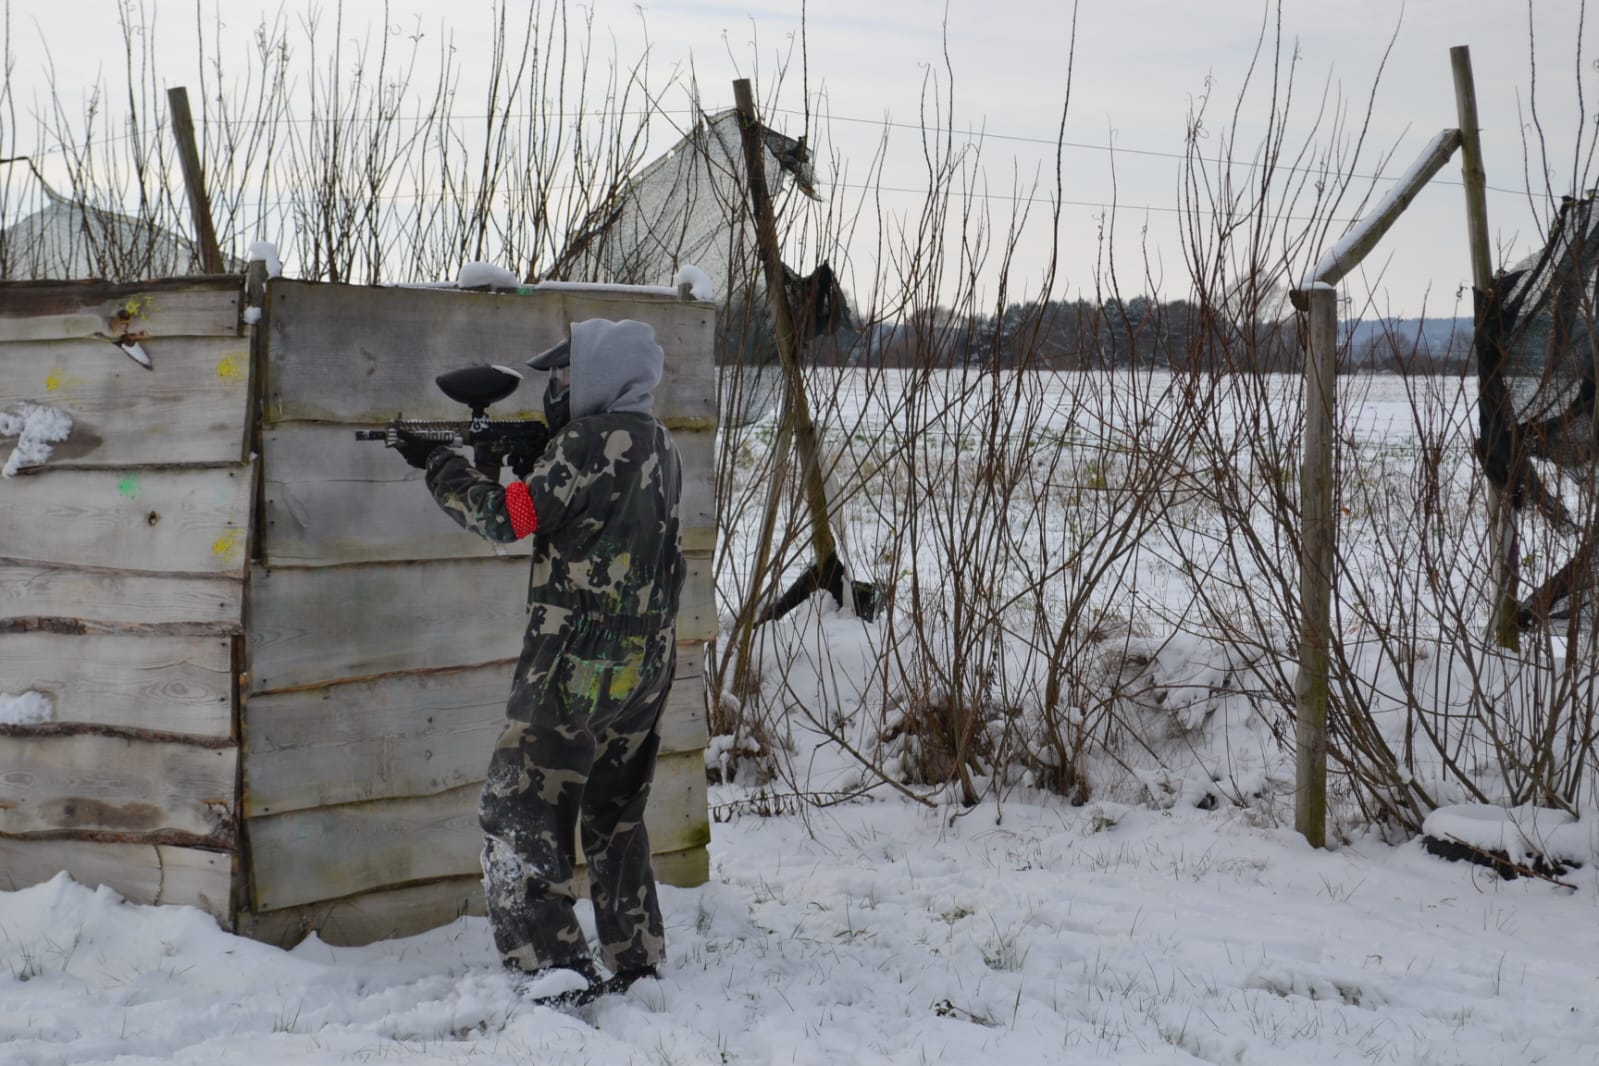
x=883, y=932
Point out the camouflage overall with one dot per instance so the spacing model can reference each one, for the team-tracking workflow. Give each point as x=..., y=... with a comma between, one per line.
x=578, y=752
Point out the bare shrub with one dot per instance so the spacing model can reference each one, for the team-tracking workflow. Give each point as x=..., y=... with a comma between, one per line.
x=1424, y=710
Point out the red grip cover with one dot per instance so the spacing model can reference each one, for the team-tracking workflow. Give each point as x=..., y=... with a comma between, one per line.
x=519, y=505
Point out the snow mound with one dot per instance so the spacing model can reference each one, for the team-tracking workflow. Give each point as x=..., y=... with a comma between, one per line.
x=28, y=708
x=36, y=427
x=556, y=982
x=1526, y=835
x=267, y=252
x=479, y=275
x=699, y=281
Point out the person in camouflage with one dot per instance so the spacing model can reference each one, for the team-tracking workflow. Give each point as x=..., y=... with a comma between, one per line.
x=578, y=751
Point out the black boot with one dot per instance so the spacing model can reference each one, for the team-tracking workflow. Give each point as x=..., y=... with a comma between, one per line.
x=572, y=984
x=626, y=979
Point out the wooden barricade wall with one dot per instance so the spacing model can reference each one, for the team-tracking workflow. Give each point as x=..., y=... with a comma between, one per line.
x=277, y=668
x=122, y=583
x=382, y=636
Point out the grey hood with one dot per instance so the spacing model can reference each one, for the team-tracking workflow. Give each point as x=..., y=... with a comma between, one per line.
x=615, y=367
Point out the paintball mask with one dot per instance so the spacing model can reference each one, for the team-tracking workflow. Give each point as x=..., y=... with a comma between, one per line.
x=558, y=390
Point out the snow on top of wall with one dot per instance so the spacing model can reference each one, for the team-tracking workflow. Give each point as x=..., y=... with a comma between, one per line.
x=698, y=281
x=267, y=252
x=476, y=275
x=492, y=276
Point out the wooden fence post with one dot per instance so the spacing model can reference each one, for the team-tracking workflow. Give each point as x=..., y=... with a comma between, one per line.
x=1319, y=528
x=1504, y=548
x=194, y=180
x=1319, y=533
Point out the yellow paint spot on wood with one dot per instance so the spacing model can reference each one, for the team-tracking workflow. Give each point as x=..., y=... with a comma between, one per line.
x=227, y=544
x=232, y=367
x=52, y=381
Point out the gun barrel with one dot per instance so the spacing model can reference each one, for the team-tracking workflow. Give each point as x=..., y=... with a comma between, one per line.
x=452, y=434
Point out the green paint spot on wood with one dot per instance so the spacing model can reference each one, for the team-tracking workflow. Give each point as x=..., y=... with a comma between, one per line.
x=129, y=488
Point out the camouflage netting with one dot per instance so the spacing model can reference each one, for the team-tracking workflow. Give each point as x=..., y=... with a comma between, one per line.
x=1538, y=435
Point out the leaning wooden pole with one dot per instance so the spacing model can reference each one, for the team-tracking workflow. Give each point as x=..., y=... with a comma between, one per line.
x=194, y=180
x=1363, y=237
x=1318, y=548
x=796, y=408
x=795, y=423
x=1503, y=548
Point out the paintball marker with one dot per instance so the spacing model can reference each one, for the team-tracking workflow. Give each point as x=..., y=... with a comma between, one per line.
x=513, y=442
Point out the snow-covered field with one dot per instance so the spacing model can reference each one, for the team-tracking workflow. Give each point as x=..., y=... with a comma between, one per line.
x=885, y=933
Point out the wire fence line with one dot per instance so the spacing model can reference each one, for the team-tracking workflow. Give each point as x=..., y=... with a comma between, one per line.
x=972, y=135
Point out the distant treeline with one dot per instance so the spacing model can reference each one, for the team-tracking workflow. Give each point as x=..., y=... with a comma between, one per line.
x=1143, y=333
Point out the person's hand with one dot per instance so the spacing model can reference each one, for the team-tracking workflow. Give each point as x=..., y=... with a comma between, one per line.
x=413, y=449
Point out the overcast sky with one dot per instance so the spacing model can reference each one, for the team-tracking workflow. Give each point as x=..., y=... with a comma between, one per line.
x=1140, y=66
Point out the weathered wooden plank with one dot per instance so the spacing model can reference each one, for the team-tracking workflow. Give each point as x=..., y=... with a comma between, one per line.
x=411, y=909
x=683, y=726
x=405, y=735
x=140, y=873
x=697, y=507
x=332, y=852
x=53, y=327
x=329, y=852
x=331, y=500
x=678, y=816
x=369, y=916
x=169, y=684
x=684, y=869
x=108, y=598
x=357, y=354
x=146, y=311
x=311, y=626
x=152, y=520
x=696, y=618
x=192, y=408
x=105, y=784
